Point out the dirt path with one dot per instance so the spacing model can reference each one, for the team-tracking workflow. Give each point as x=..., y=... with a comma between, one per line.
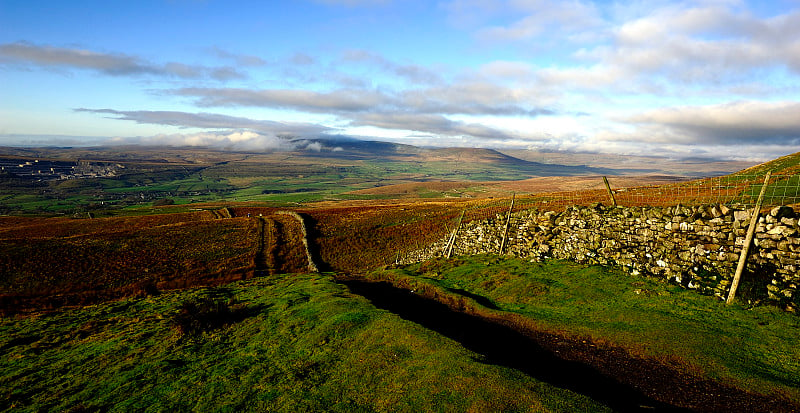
x=282, y=245
x=265, y=257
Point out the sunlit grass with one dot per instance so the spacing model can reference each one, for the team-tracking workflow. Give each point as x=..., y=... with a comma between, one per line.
x=293, y=343
x=754, y=348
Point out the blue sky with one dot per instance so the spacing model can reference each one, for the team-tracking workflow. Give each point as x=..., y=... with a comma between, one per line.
x=712, y=78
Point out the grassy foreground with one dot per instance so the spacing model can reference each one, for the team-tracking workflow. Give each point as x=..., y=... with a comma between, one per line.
x=750, y=348
x=284, y=343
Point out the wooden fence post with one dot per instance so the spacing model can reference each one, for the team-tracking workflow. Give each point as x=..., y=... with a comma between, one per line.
x=455, y=232
x=610, y=192
x=508, y=221
x=747, y=241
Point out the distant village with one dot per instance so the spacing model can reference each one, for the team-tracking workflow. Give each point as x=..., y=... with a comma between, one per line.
x=48, y=170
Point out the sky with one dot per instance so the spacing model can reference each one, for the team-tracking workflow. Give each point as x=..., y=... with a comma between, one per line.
x=717, y=78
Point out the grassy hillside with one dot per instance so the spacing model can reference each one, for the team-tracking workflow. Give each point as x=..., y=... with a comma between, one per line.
x=747, y=348
x=290, y=343
x=151, y=339
x=785, y=165
x=305, y=343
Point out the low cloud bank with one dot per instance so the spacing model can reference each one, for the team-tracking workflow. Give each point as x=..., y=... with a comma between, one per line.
x=240, y=140
x=221, y=140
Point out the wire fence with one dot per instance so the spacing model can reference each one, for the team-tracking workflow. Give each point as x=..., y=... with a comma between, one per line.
x=740, y=191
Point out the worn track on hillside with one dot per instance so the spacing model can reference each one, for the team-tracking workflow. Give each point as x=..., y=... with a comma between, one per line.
x=265, y=257
x=283, y=245
x=611, y=375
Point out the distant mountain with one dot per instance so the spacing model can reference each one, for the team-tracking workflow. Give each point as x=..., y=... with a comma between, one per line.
x=636, y=164
x=525, y=163
x=371, y=150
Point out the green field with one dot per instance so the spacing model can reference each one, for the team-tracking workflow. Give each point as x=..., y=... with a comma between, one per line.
x=196, y=175
x=304, y=343
x=289, y=343
x=753, y=348
x=279, y=185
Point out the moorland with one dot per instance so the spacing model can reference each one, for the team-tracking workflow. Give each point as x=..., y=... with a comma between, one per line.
x=177, y=278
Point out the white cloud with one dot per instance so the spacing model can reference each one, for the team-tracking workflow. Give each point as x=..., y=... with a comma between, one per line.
x=428, y=123
x=238, y=58
x=702, y=44
x=474, y=97
x=724, y=124
x=223, y=140
x=347, y=100
x=504, y=70
x=466, y=97
x=314, y=146
x=572, y=20
x=112, y=64
x=733, y=72
x=649, y=45
x=588, y=77
x=211, y=121
x=414, y=73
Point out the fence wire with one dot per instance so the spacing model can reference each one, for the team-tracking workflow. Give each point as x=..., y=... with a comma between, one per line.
x=740, y=191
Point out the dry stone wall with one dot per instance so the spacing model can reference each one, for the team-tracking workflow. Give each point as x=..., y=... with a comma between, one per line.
x=697, y=247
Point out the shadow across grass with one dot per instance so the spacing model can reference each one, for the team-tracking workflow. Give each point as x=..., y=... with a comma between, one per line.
x=204, y=314
x=313, y=235
x=501, y=345
x=477, y=298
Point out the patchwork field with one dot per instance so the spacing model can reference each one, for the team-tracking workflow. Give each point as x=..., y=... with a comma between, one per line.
x=378, y=171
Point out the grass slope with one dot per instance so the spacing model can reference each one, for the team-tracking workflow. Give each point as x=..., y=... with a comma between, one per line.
x=284, y=343
x=750, y=348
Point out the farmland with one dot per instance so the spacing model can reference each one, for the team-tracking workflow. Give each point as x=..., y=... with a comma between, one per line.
x=280, y=179
x=367, y=171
